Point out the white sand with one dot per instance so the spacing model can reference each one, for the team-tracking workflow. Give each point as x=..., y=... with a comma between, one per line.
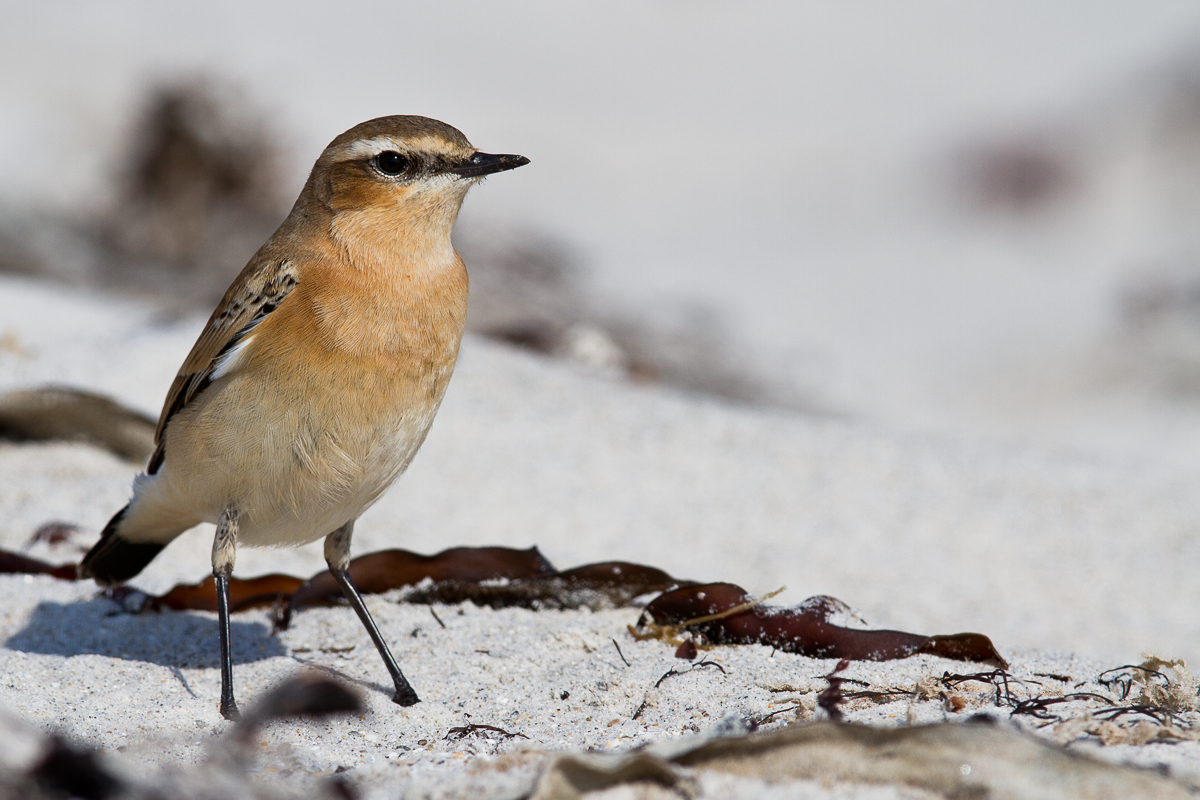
x=1044, y=553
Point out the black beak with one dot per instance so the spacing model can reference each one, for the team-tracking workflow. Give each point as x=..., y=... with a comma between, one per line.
x=482, y=164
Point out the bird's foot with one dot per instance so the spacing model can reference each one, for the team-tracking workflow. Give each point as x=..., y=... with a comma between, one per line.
x=405, y=696
x=229, y=710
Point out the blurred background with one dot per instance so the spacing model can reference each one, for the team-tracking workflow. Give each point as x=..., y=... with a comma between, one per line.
x=977, y=220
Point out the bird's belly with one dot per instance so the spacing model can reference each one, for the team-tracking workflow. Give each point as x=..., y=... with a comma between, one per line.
x=295, y=469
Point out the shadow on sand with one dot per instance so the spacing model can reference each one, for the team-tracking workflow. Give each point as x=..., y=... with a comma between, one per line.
x=169, y=638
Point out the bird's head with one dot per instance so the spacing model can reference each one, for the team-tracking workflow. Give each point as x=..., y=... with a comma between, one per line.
x=401, y=178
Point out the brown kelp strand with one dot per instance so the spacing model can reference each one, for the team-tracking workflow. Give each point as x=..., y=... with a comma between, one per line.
x=385, y=570
x=713, y=613
x=724, y=613
x=16, y=564
x=265, y=590
x=611, y=584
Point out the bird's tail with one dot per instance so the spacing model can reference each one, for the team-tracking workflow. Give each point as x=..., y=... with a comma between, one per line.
x=113, y=559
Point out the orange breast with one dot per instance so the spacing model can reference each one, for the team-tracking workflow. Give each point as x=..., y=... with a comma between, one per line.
x=397, y=332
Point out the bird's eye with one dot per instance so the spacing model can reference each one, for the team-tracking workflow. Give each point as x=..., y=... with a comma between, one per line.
x=391, y=163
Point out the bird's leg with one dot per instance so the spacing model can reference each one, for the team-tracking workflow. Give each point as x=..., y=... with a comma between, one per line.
x=337, y=555
x=224, y=550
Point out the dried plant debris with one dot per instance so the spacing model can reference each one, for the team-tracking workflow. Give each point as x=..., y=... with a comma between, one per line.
x=38, y=767
x=1166, y=684
x=55, y=534
x=702, y=663
x=198, y=188
x=949, y=760
x=721, y=613
x=72, y=415
x=609, y=584
x=496, y=577
x=687, y=649
x=531, y=291
x=1023, y=175
x=200, y=191
x=724, y=613
x=481, y=731
x=16, y=564
x=244, y=593
x=1131, y=705
x=832, y=697
x=488, y=576
x=385, y=570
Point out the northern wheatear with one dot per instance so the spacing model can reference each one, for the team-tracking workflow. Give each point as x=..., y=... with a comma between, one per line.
x=319, y=373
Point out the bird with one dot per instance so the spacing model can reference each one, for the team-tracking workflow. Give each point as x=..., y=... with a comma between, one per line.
x=319, y=373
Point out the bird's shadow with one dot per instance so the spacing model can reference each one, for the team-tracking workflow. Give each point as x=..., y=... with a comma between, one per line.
x=169, y=638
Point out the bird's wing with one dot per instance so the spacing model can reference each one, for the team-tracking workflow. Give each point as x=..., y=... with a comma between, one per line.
x=255, y=293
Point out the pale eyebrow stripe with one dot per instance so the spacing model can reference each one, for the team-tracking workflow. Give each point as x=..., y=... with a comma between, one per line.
x=368, y=148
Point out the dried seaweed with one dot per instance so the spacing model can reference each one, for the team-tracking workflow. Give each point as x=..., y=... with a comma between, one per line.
x=1037, y=707
x=624, y=660
x=764, y=719
x=1159, y=714
x=497, y=577
x=54, y=413
x=17, y=564
x=704, y=662
x=54, y=533
x=724, y=613
x=930, y=759
x=385, y=570
x=831, y=698
x=1000, y=679
x=1161, y=722
x=478, y=729
x=610, y=584
x=686, y=649
x=1121, y=679
x=244, y=593
x=715, y=613
x=879, y=695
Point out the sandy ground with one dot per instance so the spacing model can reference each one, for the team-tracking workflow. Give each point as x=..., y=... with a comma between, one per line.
x=1072, y=565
